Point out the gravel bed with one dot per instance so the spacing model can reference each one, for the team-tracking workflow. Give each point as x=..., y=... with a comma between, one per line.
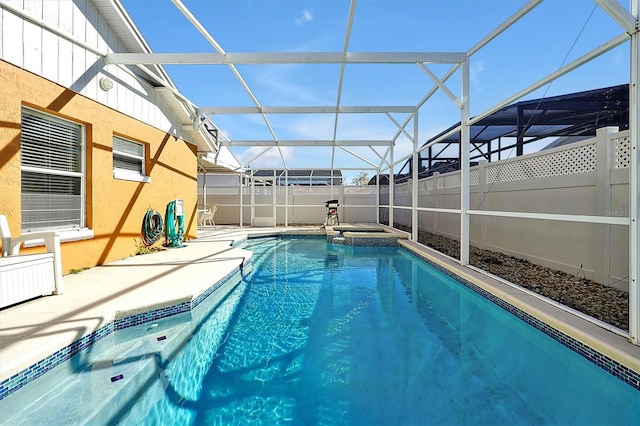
x=604, y=303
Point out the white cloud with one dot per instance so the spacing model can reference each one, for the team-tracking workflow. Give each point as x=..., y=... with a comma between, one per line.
x=474, y=72
x=278, y=80
x=270, y=159
x=312, y=126
x=284, y=86
x=305, y=17
x=619, y=56
x=350, y=127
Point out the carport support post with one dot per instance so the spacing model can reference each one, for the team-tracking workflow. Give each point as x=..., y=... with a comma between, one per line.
x=634, y=199
x=414, y=180
x=464, y=166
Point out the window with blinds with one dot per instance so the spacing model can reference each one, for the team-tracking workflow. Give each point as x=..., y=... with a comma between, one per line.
x=128, y=156
x=52, y=172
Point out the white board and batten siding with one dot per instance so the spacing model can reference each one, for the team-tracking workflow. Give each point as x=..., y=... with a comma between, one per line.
x=56, y=58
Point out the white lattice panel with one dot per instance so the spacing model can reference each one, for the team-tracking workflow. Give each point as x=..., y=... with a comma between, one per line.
x=621, y=152
x=577, y=160
x=474, y=177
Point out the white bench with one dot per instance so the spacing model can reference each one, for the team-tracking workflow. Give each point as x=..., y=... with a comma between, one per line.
x=25, y=276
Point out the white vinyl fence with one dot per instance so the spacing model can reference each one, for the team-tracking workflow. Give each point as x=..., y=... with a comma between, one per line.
x=294, y=204
x=584, y=178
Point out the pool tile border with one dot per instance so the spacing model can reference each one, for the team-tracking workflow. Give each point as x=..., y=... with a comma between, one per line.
x=610, y=365
x=371, y=241
x=31, y=373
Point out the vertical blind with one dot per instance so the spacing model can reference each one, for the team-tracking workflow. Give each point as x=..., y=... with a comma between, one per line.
x=51, y=155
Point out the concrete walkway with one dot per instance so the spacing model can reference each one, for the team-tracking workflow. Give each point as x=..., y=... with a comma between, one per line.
x=31, y=331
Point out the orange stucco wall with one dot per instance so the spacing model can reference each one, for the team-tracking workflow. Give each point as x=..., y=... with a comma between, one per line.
x=114, y=208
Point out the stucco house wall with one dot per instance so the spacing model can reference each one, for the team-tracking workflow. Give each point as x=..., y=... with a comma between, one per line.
x=50, y=61
x=114, y=208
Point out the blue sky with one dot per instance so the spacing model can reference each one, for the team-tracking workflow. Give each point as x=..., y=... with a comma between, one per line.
x=556, y=32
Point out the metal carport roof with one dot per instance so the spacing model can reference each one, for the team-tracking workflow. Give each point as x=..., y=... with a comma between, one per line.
x=574, y=114
x=577, y=114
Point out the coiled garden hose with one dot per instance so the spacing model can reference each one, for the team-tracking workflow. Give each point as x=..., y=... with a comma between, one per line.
x=152, y=227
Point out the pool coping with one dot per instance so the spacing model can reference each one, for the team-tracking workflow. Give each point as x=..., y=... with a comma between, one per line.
x=610, y=351
x=364, y=235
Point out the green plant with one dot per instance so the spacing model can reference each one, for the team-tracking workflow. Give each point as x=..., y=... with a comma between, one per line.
x=78, y=270
x=143, y=249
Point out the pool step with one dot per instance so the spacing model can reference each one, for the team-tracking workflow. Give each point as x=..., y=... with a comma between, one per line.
x=104, y=386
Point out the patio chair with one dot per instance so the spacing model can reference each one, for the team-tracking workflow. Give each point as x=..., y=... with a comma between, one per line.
x=26, y=276
x=207, y=217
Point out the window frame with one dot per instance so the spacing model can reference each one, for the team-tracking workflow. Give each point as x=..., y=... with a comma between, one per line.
x=126, y=174
x=72, y=232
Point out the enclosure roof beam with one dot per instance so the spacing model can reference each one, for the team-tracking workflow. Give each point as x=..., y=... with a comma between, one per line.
x=306, y=143
x=358, y=156
x=260, y=154
x=265, y=58
x=345, y=49
x=373, y=109
x=619, y=14
x=379, y=156
x=187, y=13
x=520, y=13
x=401, y=128
x=384, y=160
x=440, y=84
x=493, y=34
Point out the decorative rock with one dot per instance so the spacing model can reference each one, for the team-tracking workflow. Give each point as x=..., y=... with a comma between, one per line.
x=599, y=301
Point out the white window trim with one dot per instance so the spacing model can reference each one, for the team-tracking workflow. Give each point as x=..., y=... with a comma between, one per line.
x=130, y=175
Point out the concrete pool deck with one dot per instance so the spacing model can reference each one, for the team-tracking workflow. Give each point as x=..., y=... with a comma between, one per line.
x=31, y=331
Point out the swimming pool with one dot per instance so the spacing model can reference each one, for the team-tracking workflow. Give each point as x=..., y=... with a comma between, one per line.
x=326, y=334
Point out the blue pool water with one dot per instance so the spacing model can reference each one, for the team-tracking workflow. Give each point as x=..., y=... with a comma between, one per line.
x=324, y=334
